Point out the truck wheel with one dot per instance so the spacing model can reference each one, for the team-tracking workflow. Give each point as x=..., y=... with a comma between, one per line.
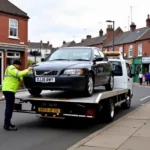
x=110, y=84
x=127, y=103
x=35, y=91
x=89, y=88
x=109, y=111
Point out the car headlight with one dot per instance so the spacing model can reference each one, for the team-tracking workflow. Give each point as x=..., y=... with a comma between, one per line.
x=73, y=72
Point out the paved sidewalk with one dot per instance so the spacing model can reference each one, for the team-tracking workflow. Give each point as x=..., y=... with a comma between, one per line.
x=131, y=132
x=143, y=85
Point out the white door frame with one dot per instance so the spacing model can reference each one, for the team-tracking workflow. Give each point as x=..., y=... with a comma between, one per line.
x=2, y=66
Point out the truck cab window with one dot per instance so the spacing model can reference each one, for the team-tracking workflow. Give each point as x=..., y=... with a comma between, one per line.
x=116, y=68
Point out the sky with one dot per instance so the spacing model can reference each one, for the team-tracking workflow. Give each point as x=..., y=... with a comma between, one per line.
x=66, y=20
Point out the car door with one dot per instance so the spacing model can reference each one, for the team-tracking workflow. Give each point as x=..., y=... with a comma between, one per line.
x=107, y=67
x=99, y=69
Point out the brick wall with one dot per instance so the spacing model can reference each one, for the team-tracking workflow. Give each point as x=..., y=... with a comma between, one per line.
x=4, y=29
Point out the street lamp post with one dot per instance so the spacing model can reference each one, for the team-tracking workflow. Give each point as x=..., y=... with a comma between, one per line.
x=113, y=33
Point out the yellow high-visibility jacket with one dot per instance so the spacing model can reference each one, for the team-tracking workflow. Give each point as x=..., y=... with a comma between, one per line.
x=12, y=77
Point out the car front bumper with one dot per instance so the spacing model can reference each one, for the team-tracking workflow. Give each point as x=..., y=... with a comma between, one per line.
x=61, y=83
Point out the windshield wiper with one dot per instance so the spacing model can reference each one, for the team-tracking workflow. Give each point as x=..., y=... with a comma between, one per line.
x=58, y=59
x=80, y=59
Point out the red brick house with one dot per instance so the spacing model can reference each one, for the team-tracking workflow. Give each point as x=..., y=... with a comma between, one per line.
x=98, y=41
x=13, y=35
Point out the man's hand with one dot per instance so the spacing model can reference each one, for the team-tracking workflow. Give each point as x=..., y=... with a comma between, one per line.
x=30, y=68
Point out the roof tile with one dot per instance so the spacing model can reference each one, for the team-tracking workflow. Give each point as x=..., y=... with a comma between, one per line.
x=9, y=8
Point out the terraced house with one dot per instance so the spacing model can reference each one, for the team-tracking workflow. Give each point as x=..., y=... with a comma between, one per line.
x=133, y=44
x=135, y=47
x=13, y=35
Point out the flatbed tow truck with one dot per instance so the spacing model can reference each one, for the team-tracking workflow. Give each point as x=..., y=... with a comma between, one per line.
x=60, y=105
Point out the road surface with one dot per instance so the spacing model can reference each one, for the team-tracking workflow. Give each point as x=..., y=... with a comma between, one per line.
x=40, y=134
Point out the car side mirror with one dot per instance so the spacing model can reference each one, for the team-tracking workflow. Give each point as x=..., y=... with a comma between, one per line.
x=42, y=59
x=99, y=59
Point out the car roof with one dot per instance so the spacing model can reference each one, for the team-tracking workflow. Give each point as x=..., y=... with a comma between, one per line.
x=78, y=47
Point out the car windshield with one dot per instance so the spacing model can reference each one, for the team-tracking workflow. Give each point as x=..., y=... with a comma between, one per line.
x=74, y=54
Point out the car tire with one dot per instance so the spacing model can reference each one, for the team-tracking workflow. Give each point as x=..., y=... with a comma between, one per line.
x=127, y=103
x=35, y=91
x=109, y=111
x=89, y=87
x=110, y=84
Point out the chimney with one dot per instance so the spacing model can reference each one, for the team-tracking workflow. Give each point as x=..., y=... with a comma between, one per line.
x=109, y=31
x=148, y=21
x=51, y=46
x=64, y=42
x=88, y=36
x=48, y=42
x=82, y=40
x=132, y=27
x=41, y=41
x=101, y=32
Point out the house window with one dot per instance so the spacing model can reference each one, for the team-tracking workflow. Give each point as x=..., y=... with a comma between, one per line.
x=11, y=56
x=130, y=51
x=120, y=49
x=139, y=49
x=13, y=28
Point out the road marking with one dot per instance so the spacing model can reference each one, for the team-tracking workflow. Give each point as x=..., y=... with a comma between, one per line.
x=144, y=98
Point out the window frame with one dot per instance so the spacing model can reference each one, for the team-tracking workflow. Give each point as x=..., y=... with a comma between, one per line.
x=141, y=49
x=11, y=36
x=14, y=56
x=130, y=49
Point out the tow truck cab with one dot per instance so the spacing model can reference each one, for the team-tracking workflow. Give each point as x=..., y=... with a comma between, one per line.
x=123, y=77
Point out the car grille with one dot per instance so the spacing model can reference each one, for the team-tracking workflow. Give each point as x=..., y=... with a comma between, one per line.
x=49, y=72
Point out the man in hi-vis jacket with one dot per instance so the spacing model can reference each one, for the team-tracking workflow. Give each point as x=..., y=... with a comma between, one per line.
x=10, y=86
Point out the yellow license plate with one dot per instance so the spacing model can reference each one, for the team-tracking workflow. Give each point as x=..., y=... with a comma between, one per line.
x=49, y=110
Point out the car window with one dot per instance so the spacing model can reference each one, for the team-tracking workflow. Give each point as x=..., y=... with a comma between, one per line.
x=71, y=54
x=101, y=54
x=96, y=53
x=116, y=68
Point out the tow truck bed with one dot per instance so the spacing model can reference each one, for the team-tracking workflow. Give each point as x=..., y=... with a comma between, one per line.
x=98, y=95
x=65, y=104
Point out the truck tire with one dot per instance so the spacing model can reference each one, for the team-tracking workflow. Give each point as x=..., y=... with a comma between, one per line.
x=35, y=91
x=89, y=87
x=109, y=111
x=110, y=84
x=127, y=103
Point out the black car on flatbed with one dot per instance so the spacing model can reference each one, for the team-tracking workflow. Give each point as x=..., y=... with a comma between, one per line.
x=71, y=68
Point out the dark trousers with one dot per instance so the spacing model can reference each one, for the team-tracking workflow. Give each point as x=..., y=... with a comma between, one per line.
x=140, y=81
x=10, y=100
x=148, y=82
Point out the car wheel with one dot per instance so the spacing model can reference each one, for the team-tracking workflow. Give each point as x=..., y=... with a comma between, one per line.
x=35, y=91
x=127, y=103
x=109, y=111
x=89, y=88
x=110, y=84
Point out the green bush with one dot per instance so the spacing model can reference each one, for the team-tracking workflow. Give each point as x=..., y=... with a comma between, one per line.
x=30, y=62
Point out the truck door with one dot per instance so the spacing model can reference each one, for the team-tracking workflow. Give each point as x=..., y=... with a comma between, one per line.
x=129, y=78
